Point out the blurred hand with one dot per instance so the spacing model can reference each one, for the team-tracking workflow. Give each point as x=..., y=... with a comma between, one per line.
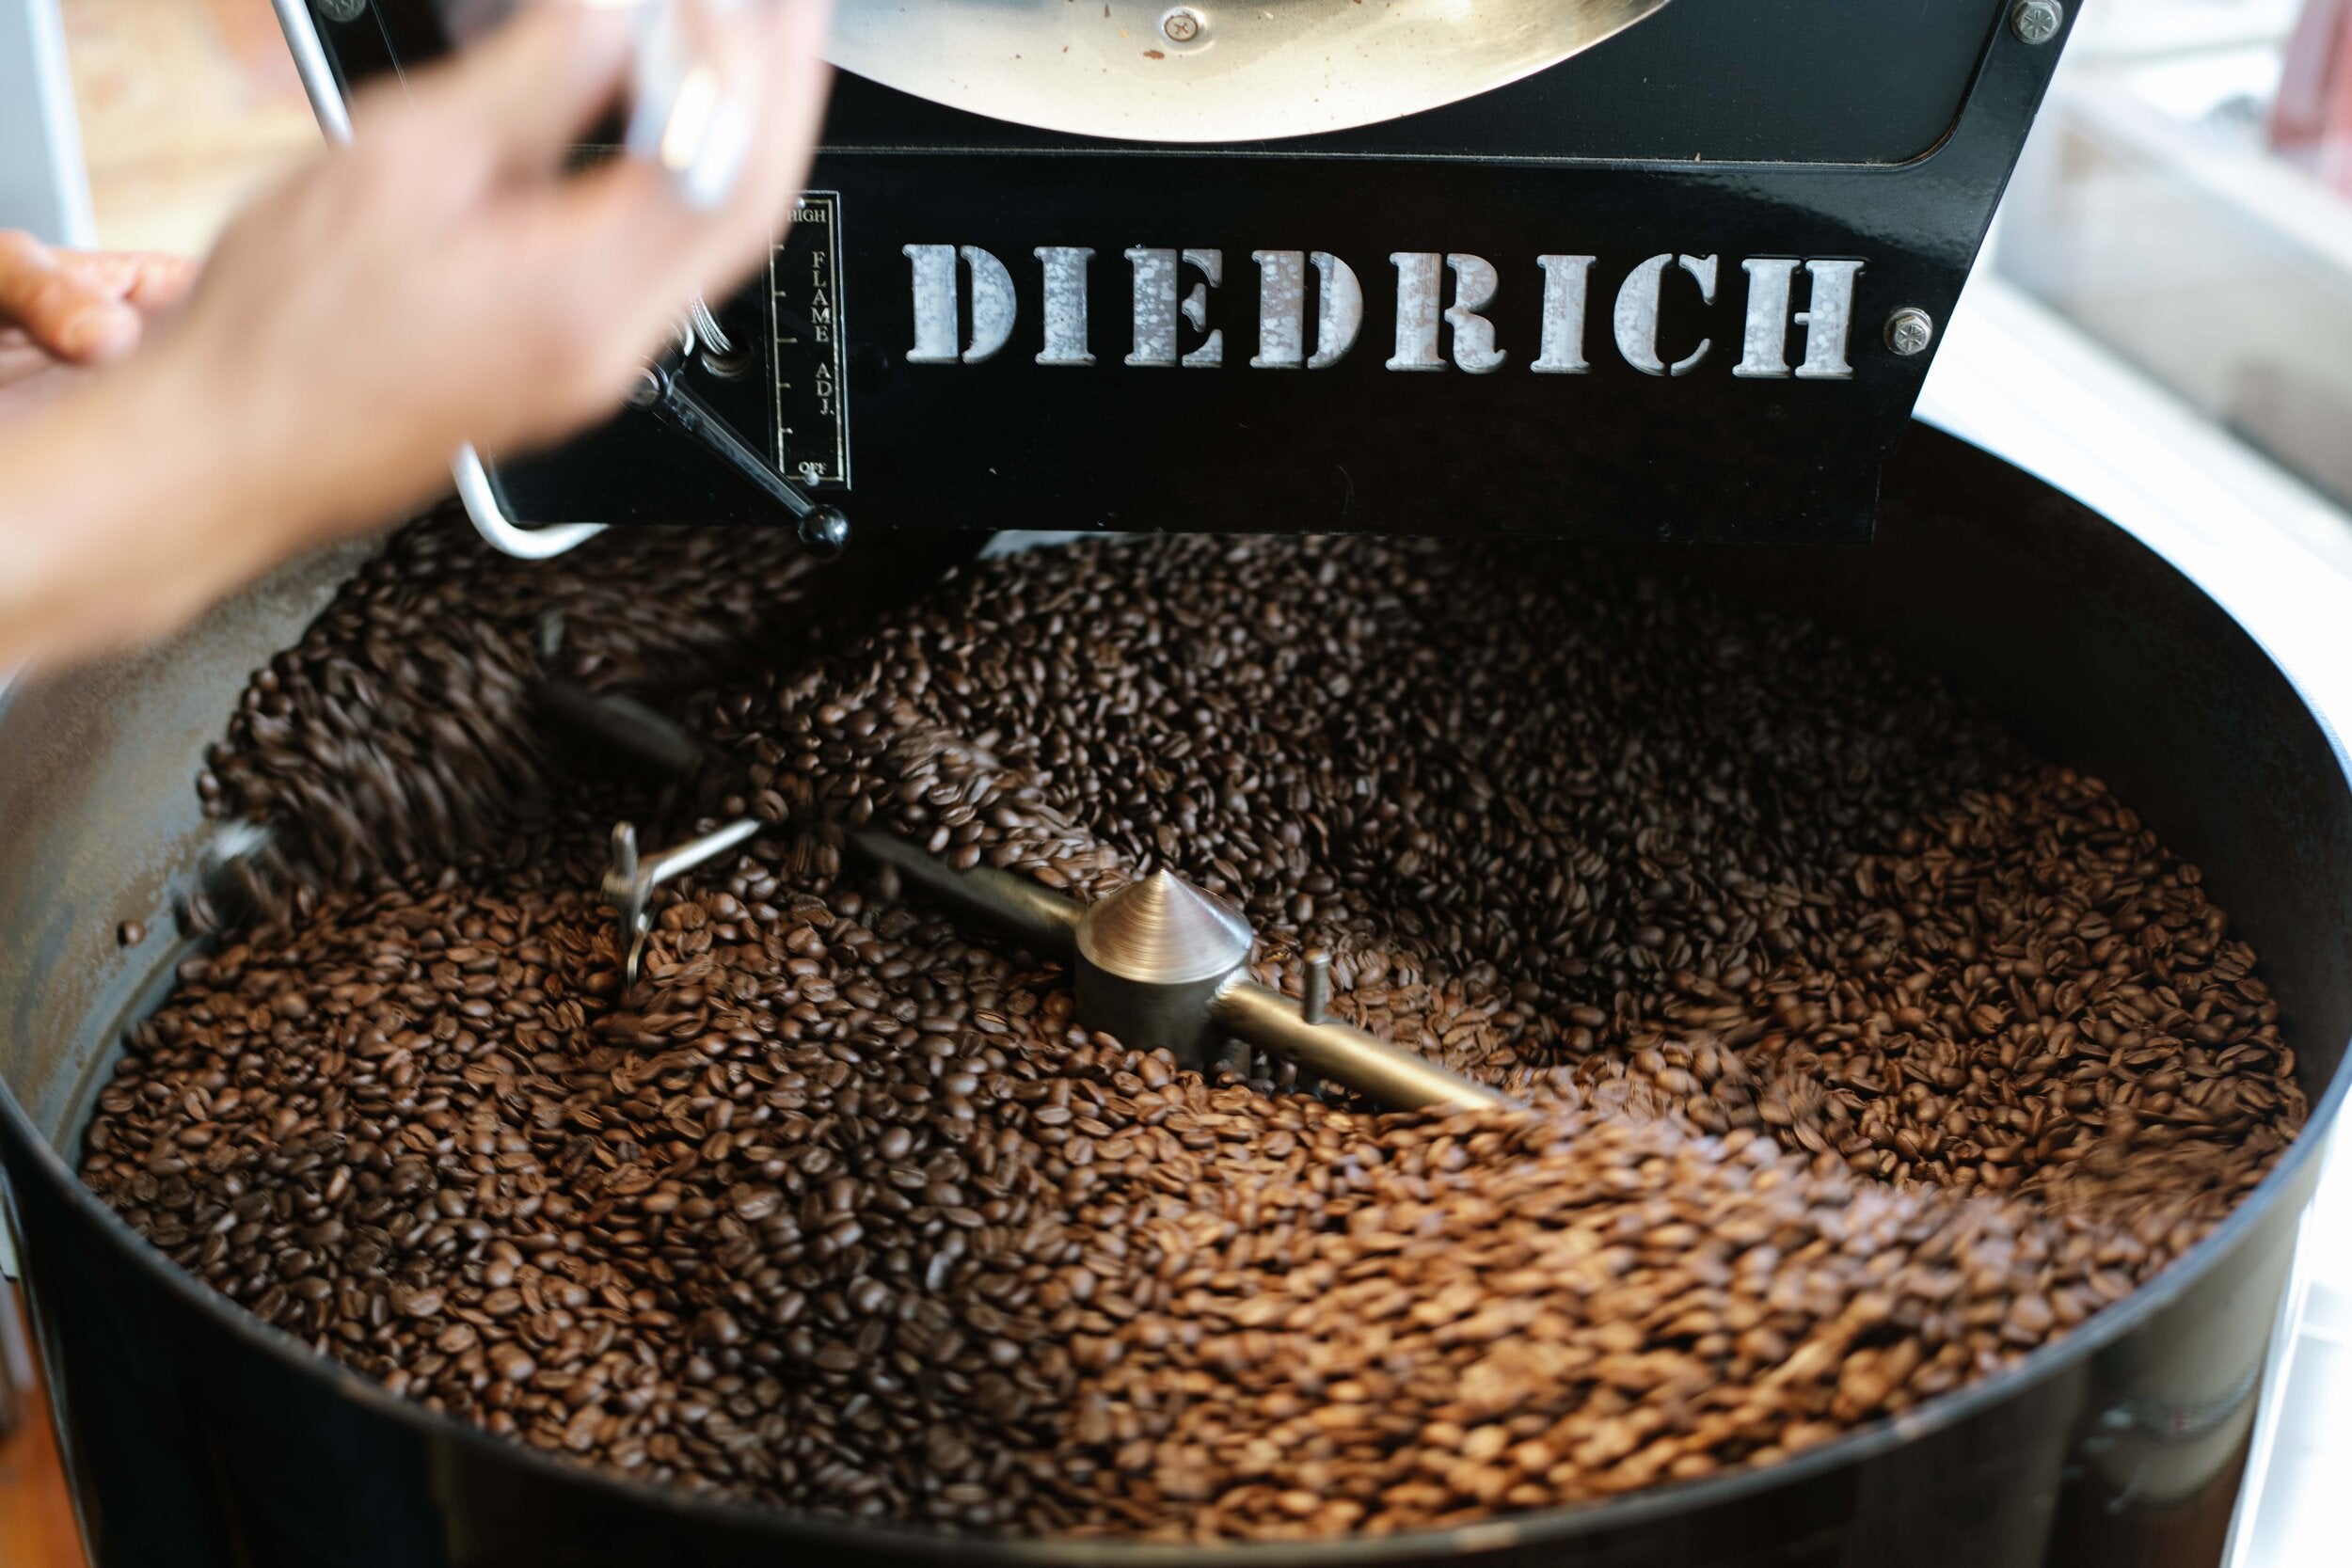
x=444, y=279
x=60, y=310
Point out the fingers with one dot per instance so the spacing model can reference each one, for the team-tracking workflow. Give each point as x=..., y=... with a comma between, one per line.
x=661, y=249
x=62, y=303
x=157, y=282
x=512, y=105
x=150, y=281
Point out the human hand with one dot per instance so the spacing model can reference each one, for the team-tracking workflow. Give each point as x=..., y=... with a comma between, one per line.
x=444, y=279
x=61, y=310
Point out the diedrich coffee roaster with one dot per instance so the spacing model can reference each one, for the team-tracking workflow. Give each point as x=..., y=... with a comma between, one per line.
x=1658, y=273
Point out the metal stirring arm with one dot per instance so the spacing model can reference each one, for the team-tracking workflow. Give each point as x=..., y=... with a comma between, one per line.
x=1031, y=914
x=1380, y=1071
x=1160, y=964
x=1157, y=963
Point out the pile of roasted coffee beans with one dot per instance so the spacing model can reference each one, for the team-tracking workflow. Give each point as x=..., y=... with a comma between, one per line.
x=410, y=722
x=1867, y=1052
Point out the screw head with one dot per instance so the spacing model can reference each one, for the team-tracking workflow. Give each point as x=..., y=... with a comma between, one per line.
x=1183, y=25
x=341, y=10
x=1909, y=330
x=2036, y=21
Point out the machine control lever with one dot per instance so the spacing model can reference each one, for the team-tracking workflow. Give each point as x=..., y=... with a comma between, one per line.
x=662, y=393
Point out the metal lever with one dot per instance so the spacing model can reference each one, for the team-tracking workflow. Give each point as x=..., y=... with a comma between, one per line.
x=664, y=393
x=1161, y=964
x=628, y=881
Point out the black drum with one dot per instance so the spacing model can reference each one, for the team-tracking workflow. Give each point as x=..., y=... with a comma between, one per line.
x=196, y=1438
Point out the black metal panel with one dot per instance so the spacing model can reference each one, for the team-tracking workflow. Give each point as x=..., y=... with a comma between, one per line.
x=1012, y=443
x=1613, y=453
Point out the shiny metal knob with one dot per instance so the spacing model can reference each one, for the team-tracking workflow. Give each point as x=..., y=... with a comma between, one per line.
x=1151, y=958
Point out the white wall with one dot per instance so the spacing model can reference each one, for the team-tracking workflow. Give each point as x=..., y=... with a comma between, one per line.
x=43, y=186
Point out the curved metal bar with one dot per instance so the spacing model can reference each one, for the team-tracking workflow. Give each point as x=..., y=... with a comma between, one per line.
x=491, y=521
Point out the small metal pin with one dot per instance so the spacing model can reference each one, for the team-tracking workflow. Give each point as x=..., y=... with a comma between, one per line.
x=1314, y=990
x=629, y=880
x=1237, y=1057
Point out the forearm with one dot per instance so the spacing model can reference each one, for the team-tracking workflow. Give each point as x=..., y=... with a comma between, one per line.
x=447, y=277
x=127, y=504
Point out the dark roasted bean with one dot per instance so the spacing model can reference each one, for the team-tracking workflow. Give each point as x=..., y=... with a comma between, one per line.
x=1866, y=1052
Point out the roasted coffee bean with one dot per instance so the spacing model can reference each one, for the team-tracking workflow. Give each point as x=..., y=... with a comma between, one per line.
x=1866, y=1052
x=409, y=724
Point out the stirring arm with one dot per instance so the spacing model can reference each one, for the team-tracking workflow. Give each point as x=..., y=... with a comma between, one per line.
x=1048, y=923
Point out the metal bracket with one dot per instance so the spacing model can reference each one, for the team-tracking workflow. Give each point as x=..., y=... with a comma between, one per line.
x=629, y=881
x=490, y=520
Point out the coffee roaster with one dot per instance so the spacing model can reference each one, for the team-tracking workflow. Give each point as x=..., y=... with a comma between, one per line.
x=1631, y=270
x=1571, y=269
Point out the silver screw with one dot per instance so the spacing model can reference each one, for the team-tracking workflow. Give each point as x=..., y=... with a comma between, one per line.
x=1909, y=330
x=1183, y=26
x=341, y=10
x=2036, y=21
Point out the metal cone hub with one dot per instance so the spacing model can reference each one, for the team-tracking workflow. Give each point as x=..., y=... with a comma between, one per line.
x=1162, y=930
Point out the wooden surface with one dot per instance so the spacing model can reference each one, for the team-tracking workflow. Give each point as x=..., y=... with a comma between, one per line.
x=187, y=107
x=37, y=1527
